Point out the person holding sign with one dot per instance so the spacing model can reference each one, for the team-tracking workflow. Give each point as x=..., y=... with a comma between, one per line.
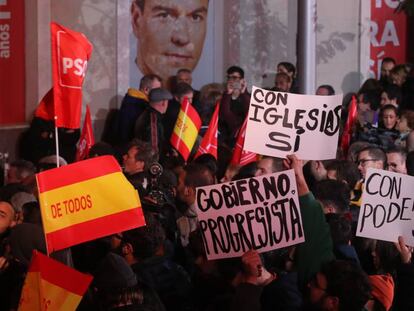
x=317, y=248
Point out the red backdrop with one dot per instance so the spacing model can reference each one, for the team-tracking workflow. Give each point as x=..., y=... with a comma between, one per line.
x=12, y=62
x=388, y=34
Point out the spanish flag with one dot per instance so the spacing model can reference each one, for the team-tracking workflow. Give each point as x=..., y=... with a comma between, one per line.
x=86, y=200
x=50, y=285
x=209, y=142
x=186, y=129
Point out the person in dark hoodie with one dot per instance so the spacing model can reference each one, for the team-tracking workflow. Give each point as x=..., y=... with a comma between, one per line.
x=116, y=288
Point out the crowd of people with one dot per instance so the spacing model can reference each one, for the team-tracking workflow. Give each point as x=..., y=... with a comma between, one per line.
x=163, y=265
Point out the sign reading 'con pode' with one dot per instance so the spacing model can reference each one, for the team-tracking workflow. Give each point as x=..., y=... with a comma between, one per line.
x=387, y=209
x=260, y=213
x=286, y=123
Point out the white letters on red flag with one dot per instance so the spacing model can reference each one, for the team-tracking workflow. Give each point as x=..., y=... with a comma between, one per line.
x=241, y=156
x=70, y=54
x=209, y=142
x=87, y=139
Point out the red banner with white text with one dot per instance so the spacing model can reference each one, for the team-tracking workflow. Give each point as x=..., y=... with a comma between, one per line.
x=12, y=61
x=388, y=34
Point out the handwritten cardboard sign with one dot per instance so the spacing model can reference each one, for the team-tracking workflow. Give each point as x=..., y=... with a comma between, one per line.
x=280, y=124
x=387, y=208
x=260, y=213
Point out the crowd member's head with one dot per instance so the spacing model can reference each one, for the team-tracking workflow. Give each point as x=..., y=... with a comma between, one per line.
x=182, y=90
x=325, y=89
x=116, y=285
x=354, y=149
x=287, y=68
x=158, y=99
x=341, y=229
x=370, y=85
x=138, y=157
x=170, y=34
x=230, y=172
x=396, y=160
x=246, y=171
x=398, y=75
x=388, y=63
x=7, y=217
x=143, y=242
x=194, y=175
x=344, y=171
x=391, y=95
x=101, y=148
x=406, y=122
x=269, y=165
x=340, y=286
x=389, y=116
x=371, y=157
x=49, y=162
x=318, y=169
x=149, y=82
x=184, y=75
x=236, y=84
x=19, y=170
x=333, y=195
x=283, y=82
x=386, y=257
x=369, y=101
x=382, y=292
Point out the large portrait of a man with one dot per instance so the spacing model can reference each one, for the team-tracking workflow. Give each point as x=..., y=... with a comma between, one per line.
x=170, y=34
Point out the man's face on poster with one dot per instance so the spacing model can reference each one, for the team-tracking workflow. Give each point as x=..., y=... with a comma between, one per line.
x=170, y=34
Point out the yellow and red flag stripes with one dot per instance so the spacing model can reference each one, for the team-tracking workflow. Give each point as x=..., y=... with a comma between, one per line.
x=50, y=285
x=209, y=142
x=86, y=200
x=186, y=129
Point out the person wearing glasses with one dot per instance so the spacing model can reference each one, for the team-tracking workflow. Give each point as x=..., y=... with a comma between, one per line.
x=234, y=103
x=368, y=157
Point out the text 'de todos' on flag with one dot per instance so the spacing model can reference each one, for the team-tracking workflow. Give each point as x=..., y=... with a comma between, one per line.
x=86, y=200
x=280, y=124
x=260, y=213
x=387, y=208
x=50, y=285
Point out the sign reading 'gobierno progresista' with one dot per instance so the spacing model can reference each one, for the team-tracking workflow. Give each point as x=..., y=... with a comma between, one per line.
x=260, y=213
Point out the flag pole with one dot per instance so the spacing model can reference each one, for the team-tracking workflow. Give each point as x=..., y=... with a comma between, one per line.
x=57, y=143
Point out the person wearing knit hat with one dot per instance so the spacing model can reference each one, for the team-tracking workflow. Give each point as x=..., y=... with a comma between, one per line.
x=382, y=292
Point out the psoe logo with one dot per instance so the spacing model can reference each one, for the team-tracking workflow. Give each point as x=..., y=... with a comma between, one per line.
x=72, y=62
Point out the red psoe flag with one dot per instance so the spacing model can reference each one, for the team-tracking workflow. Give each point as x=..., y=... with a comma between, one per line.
x=86, y=200
x=50, y=285
x=87, y=139
x=240, y=156
x=71, y=51
x=209, y=142
x=350, y=122
x=186, y=129
x=45, y=110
